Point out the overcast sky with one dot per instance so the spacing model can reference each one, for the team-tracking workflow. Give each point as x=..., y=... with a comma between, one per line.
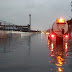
x=44, y=12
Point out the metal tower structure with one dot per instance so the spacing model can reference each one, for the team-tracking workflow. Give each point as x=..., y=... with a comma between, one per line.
x=30, y=20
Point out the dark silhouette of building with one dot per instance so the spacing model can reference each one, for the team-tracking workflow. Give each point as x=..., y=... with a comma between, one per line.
x=15, y=27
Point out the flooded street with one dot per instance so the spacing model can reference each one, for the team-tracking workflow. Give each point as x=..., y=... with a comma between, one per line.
x=35, y=53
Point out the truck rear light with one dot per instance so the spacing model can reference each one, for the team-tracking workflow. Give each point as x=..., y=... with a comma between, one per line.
x=52, y=35
x=66, y=36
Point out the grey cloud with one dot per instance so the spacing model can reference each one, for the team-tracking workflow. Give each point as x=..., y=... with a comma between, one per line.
x=44, y=12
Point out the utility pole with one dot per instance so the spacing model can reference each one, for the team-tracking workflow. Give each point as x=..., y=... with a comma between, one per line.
x=70, y=26
x=30, y=20
x=71, y=6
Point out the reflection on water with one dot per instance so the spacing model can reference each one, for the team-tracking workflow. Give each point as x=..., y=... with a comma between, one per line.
x=59, y=54
x=29, y=44
x=15, y=54
x=3, y=43
x=8, y=44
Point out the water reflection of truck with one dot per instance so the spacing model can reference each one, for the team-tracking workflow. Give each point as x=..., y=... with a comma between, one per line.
x=59, y=30
x=59, y=54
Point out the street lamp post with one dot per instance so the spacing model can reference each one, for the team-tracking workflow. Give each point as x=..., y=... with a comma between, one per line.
x=30, y=20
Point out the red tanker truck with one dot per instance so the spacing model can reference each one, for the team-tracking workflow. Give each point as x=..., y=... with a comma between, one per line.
x=59, y=31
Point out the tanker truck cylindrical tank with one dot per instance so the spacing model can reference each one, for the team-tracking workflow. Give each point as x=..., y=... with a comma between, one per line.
x=60, y=28
x=59, y=31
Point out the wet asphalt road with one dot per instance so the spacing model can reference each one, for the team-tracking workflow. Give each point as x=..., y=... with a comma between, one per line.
x=34, y=54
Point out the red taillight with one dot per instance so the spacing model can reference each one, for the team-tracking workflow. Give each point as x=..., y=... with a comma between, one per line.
x=52, y=35
x=66, y=36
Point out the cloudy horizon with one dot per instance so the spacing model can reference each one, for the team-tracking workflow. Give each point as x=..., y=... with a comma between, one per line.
x=44, y=13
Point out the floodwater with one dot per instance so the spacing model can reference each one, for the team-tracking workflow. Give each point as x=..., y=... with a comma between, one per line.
x=34, y=54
